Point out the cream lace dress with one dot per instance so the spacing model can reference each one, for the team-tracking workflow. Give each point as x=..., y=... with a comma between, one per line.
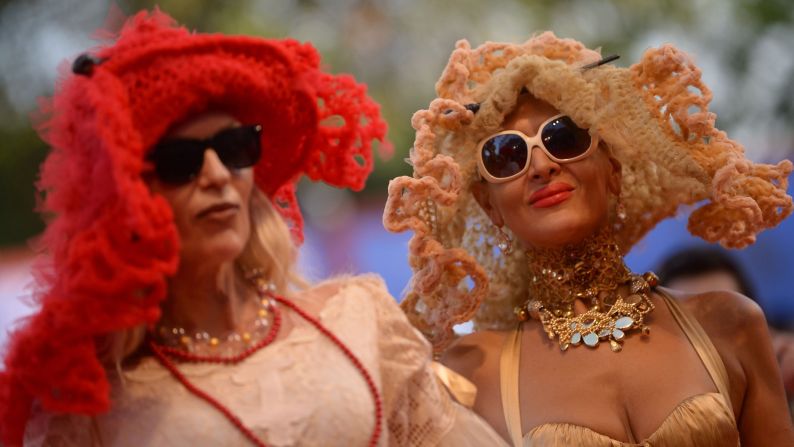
x=299, y=391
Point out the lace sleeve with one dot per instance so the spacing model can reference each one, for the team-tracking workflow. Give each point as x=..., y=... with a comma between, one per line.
x=417, y=408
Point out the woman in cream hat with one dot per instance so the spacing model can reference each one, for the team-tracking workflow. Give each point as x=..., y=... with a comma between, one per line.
x=537, y=167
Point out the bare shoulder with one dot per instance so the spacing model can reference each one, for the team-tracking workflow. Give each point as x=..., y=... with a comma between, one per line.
x=736, y=326
x=475, y=356
x=738, y=329
x=723, y=314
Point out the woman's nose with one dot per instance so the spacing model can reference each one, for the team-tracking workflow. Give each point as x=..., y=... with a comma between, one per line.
x=213, y=171
x=541, y=167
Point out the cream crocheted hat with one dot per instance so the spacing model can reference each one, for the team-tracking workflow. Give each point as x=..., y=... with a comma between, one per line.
x=653, y=116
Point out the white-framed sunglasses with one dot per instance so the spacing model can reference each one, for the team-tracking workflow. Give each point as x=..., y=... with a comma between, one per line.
x=506, y=155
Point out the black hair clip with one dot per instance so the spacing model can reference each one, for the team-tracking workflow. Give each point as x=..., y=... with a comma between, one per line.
x=474, y=107
x=84, y=64
x=601, y=62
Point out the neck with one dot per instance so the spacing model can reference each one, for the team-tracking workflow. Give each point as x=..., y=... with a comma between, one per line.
x=213, y=299
x=584, y=294
x=585, y=271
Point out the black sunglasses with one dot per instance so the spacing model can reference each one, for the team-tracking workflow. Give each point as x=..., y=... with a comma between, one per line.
x=179, y=160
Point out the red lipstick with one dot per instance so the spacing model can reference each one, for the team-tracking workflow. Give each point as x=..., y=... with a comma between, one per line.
x=551, y=195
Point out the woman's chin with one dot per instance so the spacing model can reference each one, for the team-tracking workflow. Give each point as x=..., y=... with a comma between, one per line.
x=558, y=234
x=217, y=251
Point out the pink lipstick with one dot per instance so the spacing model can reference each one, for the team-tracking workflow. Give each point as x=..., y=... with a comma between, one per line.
x=219, y=211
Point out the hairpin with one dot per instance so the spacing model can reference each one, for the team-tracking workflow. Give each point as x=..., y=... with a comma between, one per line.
x=601, y=62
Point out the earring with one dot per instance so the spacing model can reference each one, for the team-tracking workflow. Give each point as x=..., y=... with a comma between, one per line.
x=620, y=216
x=621, y=210
x=503, y=241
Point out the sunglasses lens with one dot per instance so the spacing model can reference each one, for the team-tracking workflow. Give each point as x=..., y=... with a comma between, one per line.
x=564, y=139
x=177, y=161
x=504, y=155
x=239, y=147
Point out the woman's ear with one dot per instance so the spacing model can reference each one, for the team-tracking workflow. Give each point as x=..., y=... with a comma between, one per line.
x=615, y=175
x=483, y=197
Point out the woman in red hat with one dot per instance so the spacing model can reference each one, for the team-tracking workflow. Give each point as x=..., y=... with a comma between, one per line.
x=171, y=313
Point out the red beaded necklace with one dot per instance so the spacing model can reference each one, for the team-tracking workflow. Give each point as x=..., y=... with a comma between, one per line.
x=162, y=354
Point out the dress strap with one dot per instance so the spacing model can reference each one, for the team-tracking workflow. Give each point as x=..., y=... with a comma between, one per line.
x=458, y=386
x=508, y=384
x=703, y=346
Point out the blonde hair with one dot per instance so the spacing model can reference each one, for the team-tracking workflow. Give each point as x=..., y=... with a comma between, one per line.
x=269, y=248
x=653, y=117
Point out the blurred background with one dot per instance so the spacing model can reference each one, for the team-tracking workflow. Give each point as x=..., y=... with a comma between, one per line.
x=399, y=47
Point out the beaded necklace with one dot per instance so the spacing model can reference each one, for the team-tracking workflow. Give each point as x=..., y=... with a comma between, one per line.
x=269, y=298
x=201, y=343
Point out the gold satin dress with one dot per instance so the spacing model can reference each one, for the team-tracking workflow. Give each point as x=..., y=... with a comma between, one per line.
x=703, y=420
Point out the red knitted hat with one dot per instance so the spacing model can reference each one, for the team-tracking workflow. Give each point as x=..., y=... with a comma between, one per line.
x=112, y=242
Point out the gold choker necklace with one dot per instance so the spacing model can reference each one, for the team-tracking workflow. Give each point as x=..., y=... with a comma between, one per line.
x=592, y=272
